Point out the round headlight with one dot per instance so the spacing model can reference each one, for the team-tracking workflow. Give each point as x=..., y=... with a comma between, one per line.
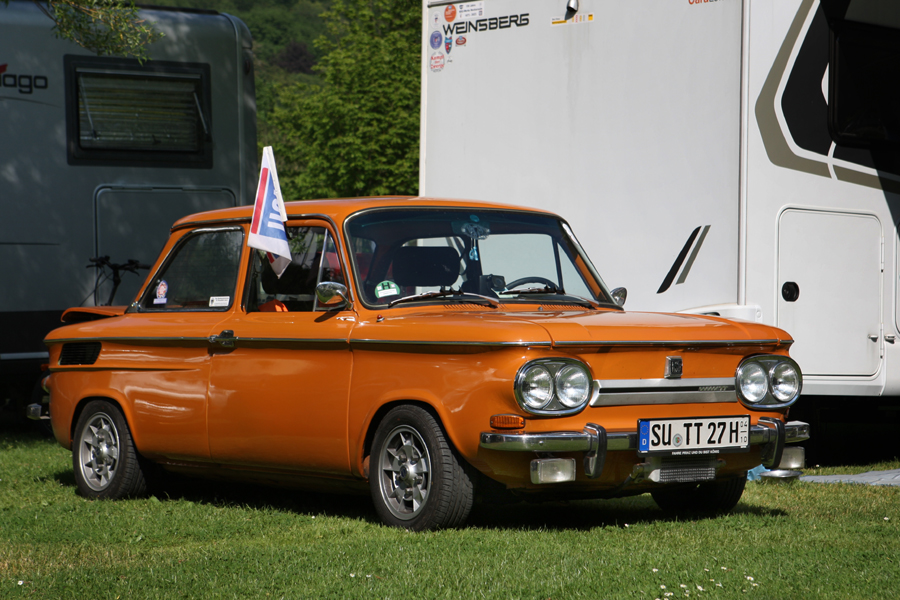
x=572, y=386
x=537, y=387
x=785, y=382
x=753, y=382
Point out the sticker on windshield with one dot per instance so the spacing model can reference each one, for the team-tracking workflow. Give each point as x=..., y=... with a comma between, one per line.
x=386, y=288
x=161, y=290
x=219, y=301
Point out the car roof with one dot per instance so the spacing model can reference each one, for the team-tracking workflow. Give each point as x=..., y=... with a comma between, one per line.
x=339, y=209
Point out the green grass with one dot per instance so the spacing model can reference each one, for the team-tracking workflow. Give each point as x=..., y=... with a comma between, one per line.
x=226, y=541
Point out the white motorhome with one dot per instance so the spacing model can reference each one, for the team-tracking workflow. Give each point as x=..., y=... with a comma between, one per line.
x=730, y=157
x=100, y=155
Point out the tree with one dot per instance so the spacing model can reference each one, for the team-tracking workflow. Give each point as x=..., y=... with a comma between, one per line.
x=101, y=26
x=358, y=133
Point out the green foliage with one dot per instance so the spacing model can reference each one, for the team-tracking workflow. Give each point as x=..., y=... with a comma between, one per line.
x=283, y=46
x=101, y=26
x=357, y=134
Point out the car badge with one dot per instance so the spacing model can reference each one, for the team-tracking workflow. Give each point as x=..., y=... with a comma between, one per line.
x=673, y=367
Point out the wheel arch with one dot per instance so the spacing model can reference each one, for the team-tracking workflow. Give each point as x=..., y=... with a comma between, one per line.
x=378, y=417
x=119, y=402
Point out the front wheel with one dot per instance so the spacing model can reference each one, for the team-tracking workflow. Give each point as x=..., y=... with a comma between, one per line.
x=709, y=497
x=104, y=459
x=417, y=479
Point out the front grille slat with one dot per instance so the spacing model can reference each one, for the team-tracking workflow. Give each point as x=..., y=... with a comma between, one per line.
x=687, y=470
x=79, y=353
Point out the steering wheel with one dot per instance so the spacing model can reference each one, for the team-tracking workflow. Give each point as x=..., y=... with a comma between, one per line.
x=533, y=279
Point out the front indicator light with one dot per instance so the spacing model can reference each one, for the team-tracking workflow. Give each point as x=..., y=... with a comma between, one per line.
x=507, y=422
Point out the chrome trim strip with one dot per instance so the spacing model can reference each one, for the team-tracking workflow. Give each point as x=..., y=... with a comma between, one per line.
x=636, y=385
x=24, y=355
x=129, y=339
x=657, y=343
x=664, y=397
x=456, y=343
x=292, y=340
x=623, y=392
x=581, y=441
x=209, y=223
x=203, y=339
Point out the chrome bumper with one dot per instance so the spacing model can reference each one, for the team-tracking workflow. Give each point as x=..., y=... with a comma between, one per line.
x=595, y=441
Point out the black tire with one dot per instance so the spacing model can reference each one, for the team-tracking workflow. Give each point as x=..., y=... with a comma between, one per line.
x=417, y=479
x=709, y=497
x=104, y=458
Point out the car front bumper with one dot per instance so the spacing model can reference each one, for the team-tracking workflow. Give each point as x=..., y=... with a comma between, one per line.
x=596, y=442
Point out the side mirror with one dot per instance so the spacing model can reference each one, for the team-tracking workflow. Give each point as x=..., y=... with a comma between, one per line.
x=619, y=295
x=332, y=295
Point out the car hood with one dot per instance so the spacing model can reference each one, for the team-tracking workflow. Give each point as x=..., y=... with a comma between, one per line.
x=582, y=328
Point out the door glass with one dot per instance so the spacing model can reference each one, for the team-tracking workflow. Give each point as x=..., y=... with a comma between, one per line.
x=200, y=274
x=314, y=259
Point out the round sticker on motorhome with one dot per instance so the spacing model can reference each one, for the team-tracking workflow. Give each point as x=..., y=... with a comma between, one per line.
x=437, y=61
x=435, y=40
x=436, y=20
x=450, y=13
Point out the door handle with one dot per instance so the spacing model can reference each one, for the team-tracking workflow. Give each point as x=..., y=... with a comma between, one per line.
x=873, y=337
x=889, y=339
x=225, y=339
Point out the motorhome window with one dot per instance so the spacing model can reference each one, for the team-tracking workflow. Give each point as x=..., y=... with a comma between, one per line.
x=865, y=85
x=123, y=112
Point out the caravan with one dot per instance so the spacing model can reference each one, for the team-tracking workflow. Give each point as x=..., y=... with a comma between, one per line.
x=727, y=157
x=100, y=155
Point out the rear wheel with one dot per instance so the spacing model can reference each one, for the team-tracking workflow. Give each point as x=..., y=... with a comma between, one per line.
x=712, y=496
x=417, y=479
x=104, y=459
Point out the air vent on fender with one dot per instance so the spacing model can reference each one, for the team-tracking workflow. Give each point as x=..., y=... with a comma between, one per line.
x=79, y=353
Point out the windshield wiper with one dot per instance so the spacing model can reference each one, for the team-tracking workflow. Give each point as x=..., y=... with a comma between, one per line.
x=555, y=291
x=455, y=294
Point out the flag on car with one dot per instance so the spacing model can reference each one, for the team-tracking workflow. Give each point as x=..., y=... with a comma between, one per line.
x=267, y=227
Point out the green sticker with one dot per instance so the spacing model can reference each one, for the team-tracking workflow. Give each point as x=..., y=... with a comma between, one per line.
x=386, y=288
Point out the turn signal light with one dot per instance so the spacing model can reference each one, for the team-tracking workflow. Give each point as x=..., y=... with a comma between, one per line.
x=507, y=422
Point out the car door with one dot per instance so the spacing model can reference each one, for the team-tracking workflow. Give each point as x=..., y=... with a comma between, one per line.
x=279, y=378
x=161, y=346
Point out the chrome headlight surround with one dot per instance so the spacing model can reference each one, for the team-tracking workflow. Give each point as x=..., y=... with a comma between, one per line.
x=570, y=388
x=779, y=388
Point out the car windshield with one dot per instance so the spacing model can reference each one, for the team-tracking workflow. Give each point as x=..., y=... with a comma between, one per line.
x=445, y=255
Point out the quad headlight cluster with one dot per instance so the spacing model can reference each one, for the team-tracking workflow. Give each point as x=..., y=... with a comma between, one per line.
x=768, y=381
x=553, y=386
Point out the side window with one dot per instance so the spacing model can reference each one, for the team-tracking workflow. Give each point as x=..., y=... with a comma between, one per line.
x=314, y=259
x=201, y=273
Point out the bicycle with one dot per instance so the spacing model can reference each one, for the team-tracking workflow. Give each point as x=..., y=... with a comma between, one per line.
x=101, y=263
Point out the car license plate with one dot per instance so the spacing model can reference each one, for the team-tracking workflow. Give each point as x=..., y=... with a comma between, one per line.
x=705, y=435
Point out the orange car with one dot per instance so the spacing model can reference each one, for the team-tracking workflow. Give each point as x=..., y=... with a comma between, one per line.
x=432, y=351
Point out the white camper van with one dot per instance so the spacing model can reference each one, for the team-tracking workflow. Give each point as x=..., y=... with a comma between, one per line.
x=729, y=157
x=100, y=155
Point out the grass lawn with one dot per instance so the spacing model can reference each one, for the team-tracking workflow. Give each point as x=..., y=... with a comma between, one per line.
x=214, y=540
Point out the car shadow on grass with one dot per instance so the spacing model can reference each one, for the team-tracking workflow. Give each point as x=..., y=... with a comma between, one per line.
x=583, y=515
x=576, y=515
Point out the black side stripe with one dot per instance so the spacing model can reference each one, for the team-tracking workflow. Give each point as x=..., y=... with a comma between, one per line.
x=670, y=277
